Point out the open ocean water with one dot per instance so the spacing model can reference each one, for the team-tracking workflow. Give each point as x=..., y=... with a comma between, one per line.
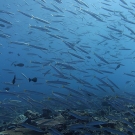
x=67, y=67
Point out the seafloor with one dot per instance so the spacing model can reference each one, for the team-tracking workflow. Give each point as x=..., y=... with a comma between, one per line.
x=111, y=118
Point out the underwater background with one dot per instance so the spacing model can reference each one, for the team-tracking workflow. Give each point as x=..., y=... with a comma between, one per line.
x=71, y=59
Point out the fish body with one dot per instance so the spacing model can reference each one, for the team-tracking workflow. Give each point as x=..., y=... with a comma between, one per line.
x=33, y=79
x=13, y=81
x=50, y=9
x=25, y=14
x=58, y=1
x=7, y=88
x=57, y=8
x=19, y=64
x=5, y=21
x=2, y=25
x=118, y=66
x=58, y=82
x=102, y=59
x=31, y=127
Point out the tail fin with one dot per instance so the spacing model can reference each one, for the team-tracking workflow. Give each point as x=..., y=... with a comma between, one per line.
x=15, y=65
x=29, y=80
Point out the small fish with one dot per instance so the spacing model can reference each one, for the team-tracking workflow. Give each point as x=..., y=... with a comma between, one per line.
x=129, y=74
x=34, y=92
x=113, y=131
x=101, y=58
x=33, y=79
x=7, y=88
x=4, y=36
x=38, y=47
x=2, y=25
x=57, y=15
x=118, y=66
x=39, y=28
x=96, y=16
x=85, y=118
x=113, y=83
x=54, y=132
x=71, y=12
x=47, y=72
x=40, y=20
x=50, y=9
x=123, y=2
x=19, y=64
x=105, y=71
x=114, y=29
x=25, y=76
x=10, y=52
x=31, y=127
x=57, y=8
x=10, y=83
x=82, y=3
x=5, y=21
x=9, y=13
x=57, y=82
x=75, y=55
x=25, y=14
x=58, y=1
x=13, y=81
x=30, y=32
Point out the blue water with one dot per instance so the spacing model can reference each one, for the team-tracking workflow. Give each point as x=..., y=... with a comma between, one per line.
x=79, y=29
x=75, y=28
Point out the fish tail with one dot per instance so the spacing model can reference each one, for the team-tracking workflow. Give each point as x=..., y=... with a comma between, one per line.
x=29, y=80
x=15, y=65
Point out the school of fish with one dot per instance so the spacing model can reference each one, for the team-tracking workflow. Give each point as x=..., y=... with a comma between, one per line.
x=72, y=58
